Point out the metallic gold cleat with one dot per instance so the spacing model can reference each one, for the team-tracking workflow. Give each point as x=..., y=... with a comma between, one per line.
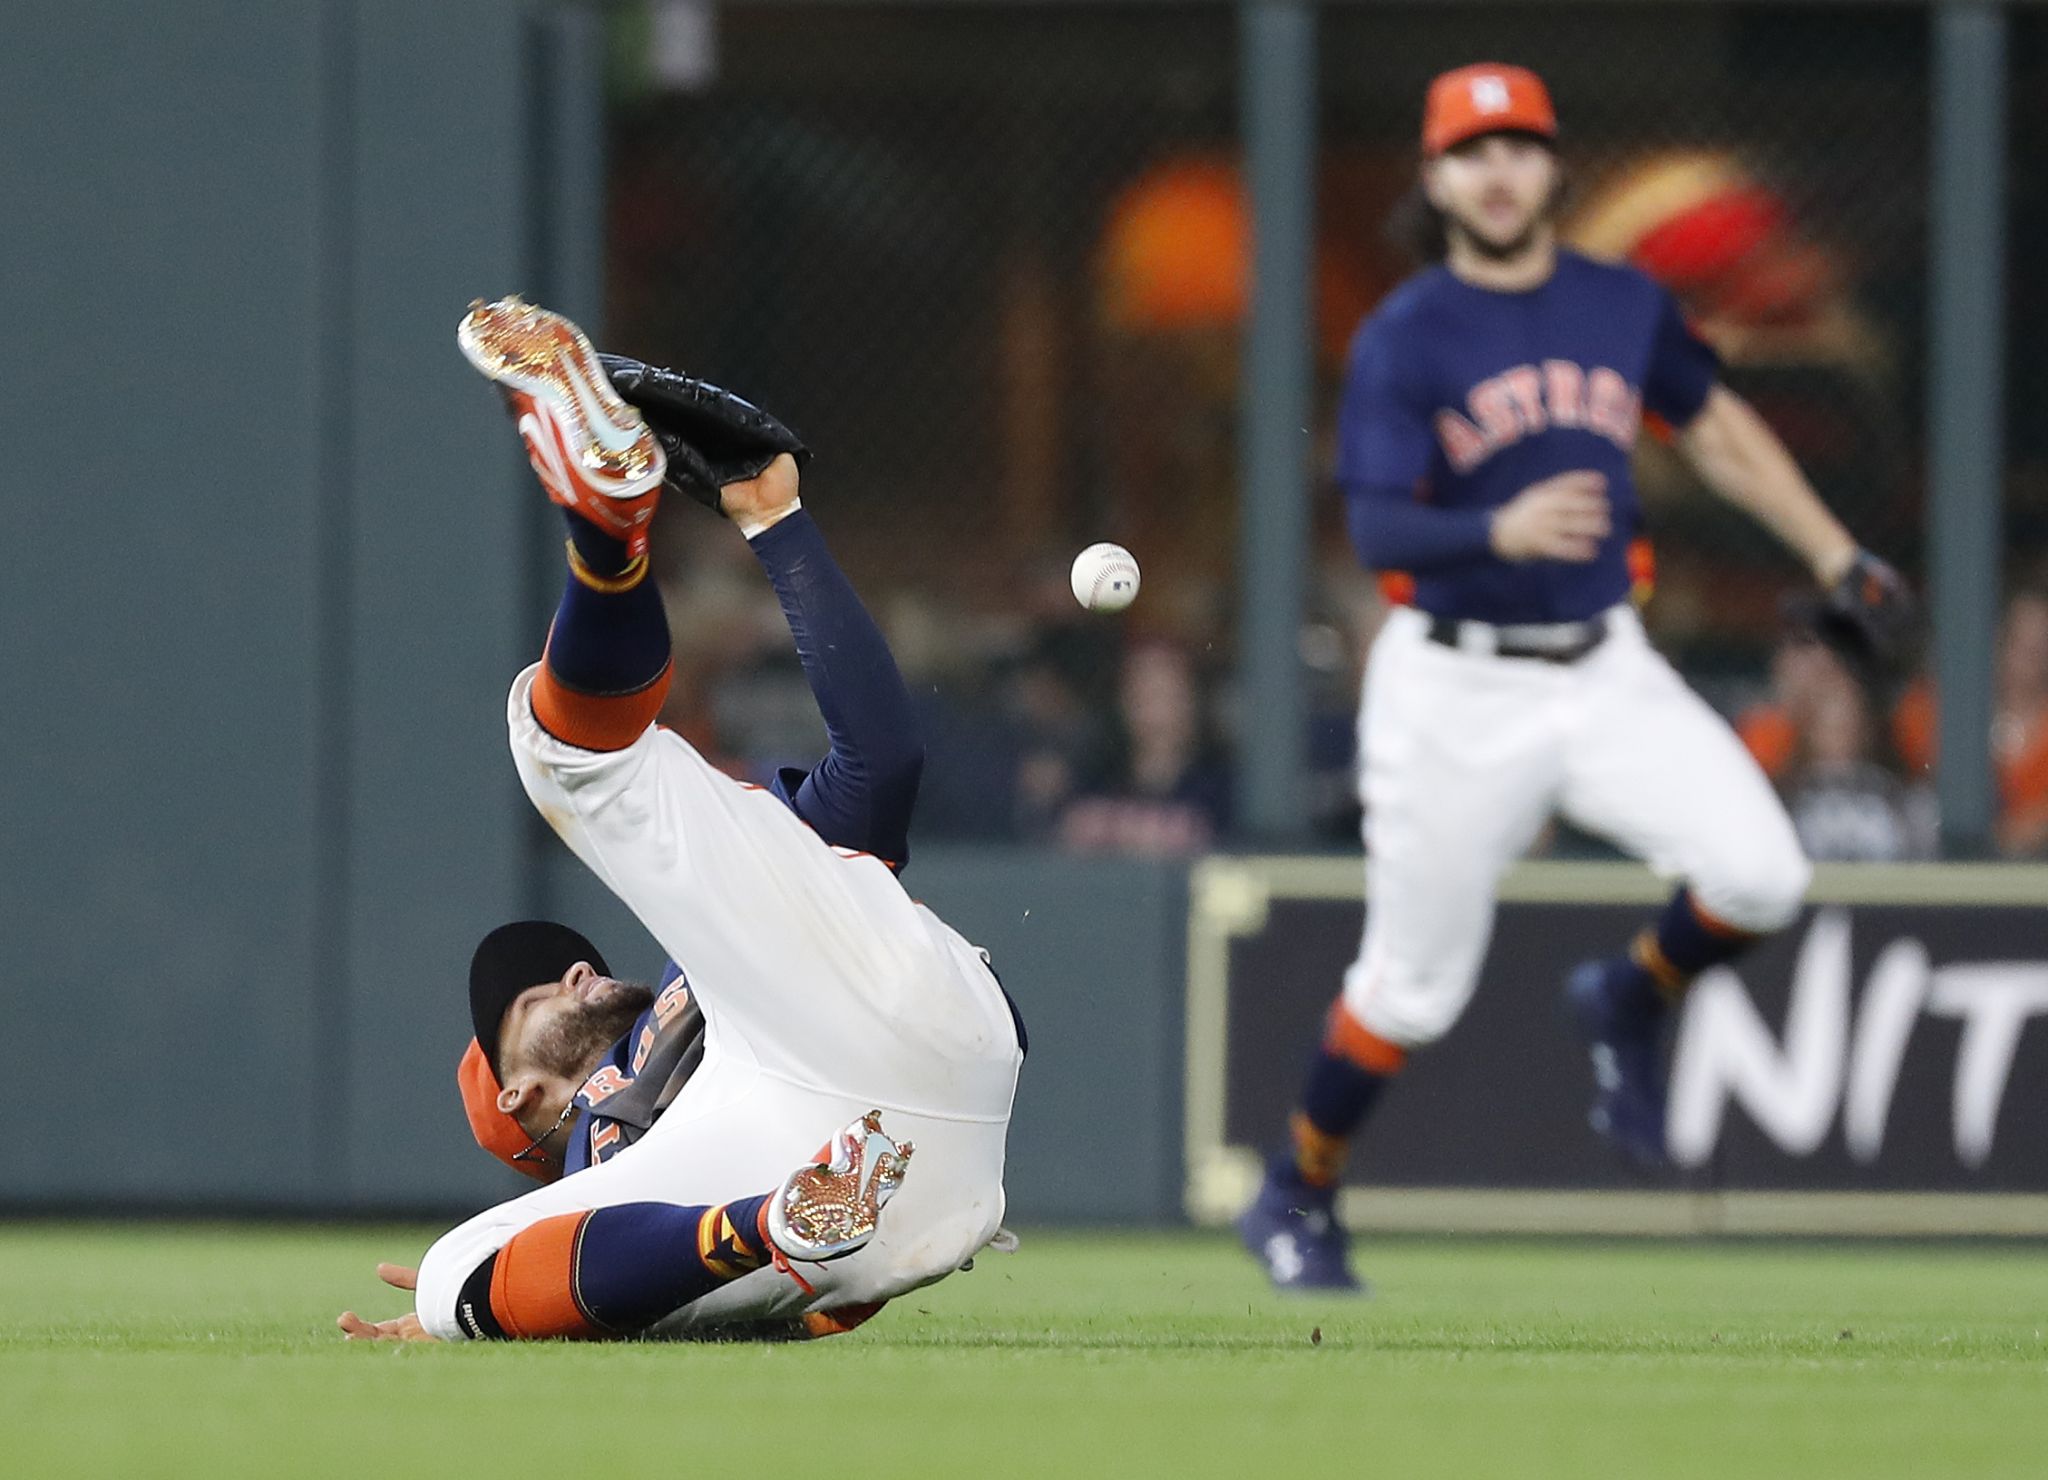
x=829, y=1209
x=592, y=451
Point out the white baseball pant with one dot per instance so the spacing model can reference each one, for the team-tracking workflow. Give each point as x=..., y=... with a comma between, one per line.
x=1463, y=757
x=826, y=991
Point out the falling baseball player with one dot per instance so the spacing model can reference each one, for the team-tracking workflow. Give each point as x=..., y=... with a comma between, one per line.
x=809, y=999
x=1491, y=406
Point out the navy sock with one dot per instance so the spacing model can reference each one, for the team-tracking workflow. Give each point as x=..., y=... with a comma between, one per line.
x=1334, y=1103
x=601, y=554
x=639, y=1261
x=615, y=1269
x=1692, y=940
x=607, y=642
x=1339, y=1094
x=1665, y=957
x=1351, y=1070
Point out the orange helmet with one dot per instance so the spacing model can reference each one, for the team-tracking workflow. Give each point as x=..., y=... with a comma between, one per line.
x=1485, y=98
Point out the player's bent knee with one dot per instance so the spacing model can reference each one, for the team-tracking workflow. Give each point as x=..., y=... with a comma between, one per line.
x=1407, y=1014
x=1759, y=893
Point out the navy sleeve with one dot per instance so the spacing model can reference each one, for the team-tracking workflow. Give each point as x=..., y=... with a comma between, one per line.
x=862, y=794
x=1683, y=367
x=1383, y=429
x=1390, y=531
x=1385, y=445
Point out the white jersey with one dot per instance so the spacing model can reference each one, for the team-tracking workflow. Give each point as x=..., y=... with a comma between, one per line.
x=826, y=992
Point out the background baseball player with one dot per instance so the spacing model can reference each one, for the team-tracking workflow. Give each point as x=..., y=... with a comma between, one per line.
x=1485, y=433
x=806, y=989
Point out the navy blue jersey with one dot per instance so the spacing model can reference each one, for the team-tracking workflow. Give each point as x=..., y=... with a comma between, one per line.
x=599, y=1136
x=1459, y=397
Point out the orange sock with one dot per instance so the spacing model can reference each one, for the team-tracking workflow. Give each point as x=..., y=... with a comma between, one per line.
x=1318, y=1156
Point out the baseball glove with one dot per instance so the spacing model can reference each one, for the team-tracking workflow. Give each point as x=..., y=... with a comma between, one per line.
x=1870, y=617
x=712, y=437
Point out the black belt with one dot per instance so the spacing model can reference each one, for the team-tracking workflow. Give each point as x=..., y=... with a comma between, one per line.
x=1549, y=642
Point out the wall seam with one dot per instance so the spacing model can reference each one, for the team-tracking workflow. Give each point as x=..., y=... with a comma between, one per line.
x=328, y=1091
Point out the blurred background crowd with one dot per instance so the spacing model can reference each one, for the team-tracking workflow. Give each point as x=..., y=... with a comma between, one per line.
x=1000, y=362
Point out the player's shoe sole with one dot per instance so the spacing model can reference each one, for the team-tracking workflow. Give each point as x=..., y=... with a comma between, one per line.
x=592, y=452
x=831, y=1208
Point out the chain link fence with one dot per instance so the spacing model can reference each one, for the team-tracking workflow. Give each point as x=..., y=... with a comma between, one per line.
x=928, y=236
x=992, y=262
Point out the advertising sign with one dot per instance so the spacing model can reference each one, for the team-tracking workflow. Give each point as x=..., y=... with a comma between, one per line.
x=1893, y=1041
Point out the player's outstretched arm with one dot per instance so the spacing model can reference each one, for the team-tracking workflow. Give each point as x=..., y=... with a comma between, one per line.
x=862, y=794
x=1738, y=455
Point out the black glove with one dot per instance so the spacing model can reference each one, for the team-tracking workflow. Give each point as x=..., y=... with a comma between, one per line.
x=1870, y=617
x=711, y=436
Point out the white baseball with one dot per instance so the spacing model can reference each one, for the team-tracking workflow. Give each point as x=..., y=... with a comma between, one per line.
x=1105, y=578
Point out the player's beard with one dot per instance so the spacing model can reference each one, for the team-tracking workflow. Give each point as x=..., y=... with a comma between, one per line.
x=1542, y=220
x=574, y=1041
x=1491, y=250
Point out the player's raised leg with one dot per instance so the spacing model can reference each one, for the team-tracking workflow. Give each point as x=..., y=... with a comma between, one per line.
x=1653, y=769
x=1459, y=775
x=812, y=954
x=607, y=666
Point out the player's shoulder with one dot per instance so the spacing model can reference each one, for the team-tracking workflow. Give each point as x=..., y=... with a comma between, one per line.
x=1402, y=318
x=1610, y=280
x=1412, y=300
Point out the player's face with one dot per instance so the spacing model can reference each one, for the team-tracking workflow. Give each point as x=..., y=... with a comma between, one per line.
x=560, y=1029
x=1496, y=191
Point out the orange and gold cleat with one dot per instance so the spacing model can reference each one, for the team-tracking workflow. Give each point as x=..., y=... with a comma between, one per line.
x=830, y=1209
x=593, y=452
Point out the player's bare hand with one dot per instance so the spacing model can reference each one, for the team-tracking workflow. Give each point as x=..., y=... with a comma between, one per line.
x=761, y=501
x=402, y=1328
x=1562, y=518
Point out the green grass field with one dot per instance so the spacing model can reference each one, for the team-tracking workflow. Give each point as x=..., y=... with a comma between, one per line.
x=169, y=1351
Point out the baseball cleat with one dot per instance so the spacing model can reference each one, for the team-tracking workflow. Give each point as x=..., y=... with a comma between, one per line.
x=1625, y=1041
x=593, y=452
x=1291, y=1228
x=830, y=1208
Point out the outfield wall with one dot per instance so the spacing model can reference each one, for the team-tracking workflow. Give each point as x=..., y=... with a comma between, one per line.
x=201, y=1074
x=270, y=585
